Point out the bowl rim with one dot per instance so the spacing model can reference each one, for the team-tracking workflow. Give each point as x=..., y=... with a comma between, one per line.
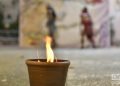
x=59, y=62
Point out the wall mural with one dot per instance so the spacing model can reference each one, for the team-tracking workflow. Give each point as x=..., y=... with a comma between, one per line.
x=69, y=23
x=67, y=26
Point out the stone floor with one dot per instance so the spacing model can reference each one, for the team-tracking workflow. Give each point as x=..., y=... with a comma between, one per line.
x=88, y=67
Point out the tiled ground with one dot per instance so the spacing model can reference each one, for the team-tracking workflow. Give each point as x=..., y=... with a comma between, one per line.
x=88, y=67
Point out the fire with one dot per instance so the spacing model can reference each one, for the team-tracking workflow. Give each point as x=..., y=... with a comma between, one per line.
x=49, y=52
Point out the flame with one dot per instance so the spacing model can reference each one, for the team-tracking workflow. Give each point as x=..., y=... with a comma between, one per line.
x=49, y=52
x=38, y=60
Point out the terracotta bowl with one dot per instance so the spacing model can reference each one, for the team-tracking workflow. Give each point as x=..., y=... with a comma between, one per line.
x=47, y=74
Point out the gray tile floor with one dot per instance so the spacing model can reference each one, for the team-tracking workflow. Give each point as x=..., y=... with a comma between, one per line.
x=88, y=67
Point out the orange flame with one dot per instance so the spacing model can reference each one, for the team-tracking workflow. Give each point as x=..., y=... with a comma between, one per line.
x=49, y=52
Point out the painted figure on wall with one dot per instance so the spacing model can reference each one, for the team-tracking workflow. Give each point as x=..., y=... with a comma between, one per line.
x=51, y=19
x=87, y=28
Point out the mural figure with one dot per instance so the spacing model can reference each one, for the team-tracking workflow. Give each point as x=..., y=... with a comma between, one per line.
x=51, y=19
x=88, y=28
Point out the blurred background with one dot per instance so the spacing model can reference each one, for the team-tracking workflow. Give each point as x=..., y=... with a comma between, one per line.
x=82, y=25
x=9, y=22
x=25, y=23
